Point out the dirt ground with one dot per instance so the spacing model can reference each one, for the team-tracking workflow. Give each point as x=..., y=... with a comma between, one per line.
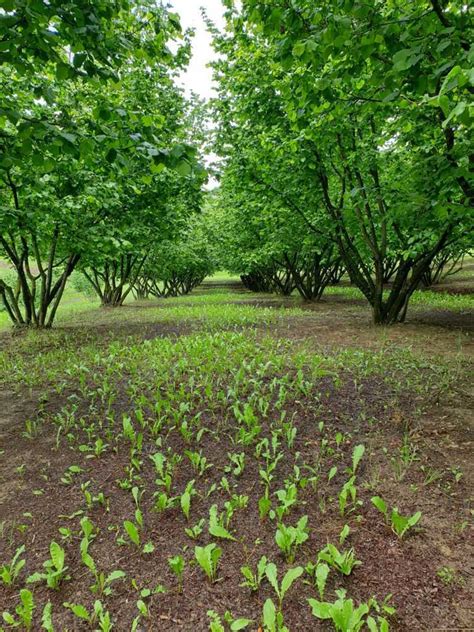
x=441, y=428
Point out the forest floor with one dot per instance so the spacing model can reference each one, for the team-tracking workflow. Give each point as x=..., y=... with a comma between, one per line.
x=131, y=436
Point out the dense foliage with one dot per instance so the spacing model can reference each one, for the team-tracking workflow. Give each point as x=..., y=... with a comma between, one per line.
x=94, y=144
x=353, y=119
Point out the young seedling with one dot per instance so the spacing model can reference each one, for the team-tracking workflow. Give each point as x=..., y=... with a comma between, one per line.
x=185, y=498
x=319, y=573
x=345, y=531
x=24, y=610
x=177, y=564
x=357, y=455
x=237, y=463
x=133, y=533
x=346, y=617
x=216, y=624
x=208, y=559
x=400, y=524
x=288, y=580
x=216, y=525
x=288, y=497
x=103, y=583
x=55, y=568
x=264, y=505
x=163, y=501
x=289, y=538
x=343, y=562
x=10, y=572
x=47, y=618
x=253, y=580
x=348, y=493
x=195, y=531
x=98, y=615
x=271, y=619
x=198, y=461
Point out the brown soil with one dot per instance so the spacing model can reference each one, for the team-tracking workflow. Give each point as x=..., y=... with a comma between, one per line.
x=364, y=411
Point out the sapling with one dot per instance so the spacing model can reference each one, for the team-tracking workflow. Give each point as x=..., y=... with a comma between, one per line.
x=290, y=434
x=103, y=582
x=345, y=531
x=264, y=505
x=225, y=485
x=163, y=501
x=70, y=473
x=237, y=465
x=357, y=455
x=287, y=497
x=272, y=620
x=238, y=501
x=133, y=532
x=9, y=572
x=332, y=473
x=208, y=559
x=198, y=461
x=137, y=495
x=319, y=573
x=47, y=618
x=345, y=616
x=348, y=493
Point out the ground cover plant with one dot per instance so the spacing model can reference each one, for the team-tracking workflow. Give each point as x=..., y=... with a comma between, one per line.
x=221, y=476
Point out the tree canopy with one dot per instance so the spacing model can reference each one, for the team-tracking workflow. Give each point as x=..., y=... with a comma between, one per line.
x=342, y=131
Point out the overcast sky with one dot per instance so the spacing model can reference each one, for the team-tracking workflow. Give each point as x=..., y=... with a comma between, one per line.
x=198, y=78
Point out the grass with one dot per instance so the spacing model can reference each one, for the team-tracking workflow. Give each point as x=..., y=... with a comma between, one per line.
x=73, y=303
x=421, y=298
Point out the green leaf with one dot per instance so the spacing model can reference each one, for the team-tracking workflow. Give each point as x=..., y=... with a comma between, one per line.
x=269, y=616
x=220, y=532
x=57, y=555
x=272, y=576
x=290, y=576
x=149, y=547
x=183, y=168
x=78, y=610
x=114, y=576
x=132, y=532
x=380, y=504
x=357, y=455
x=240, y=624
x=63, y=71
x=322, y=573
x=320, y=609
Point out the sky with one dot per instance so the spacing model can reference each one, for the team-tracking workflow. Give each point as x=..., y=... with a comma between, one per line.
x=198, y=78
